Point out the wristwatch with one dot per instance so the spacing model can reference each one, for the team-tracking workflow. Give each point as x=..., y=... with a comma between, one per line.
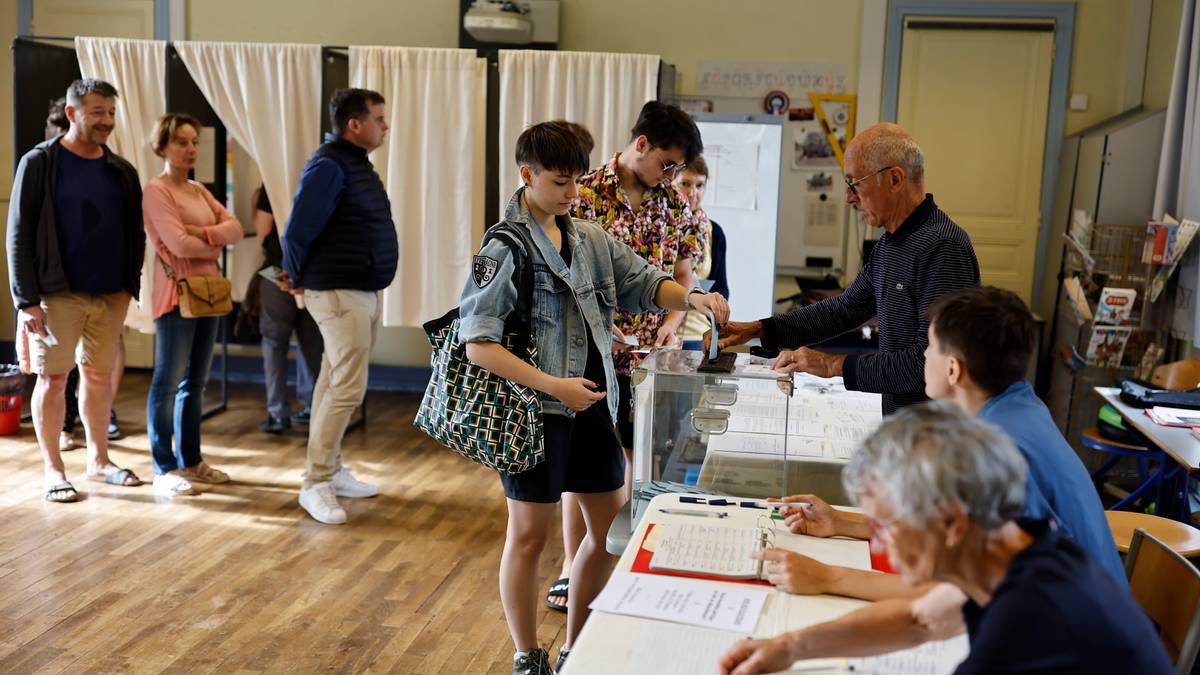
x=688, y=298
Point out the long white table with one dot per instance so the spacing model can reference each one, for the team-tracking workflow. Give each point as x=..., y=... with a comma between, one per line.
x=608, y=642
x=1177, y=442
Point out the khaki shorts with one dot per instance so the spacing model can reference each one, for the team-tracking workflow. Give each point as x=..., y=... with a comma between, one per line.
x=88, y=330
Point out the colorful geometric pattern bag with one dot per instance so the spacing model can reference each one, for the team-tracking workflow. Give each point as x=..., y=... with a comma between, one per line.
x=482, y=416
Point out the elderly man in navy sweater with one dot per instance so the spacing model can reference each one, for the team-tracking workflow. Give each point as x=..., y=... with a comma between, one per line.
x=921, y=255
x=340, y=246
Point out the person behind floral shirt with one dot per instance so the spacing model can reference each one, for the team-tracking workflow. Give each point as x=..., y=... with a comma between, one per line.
x=633, y=199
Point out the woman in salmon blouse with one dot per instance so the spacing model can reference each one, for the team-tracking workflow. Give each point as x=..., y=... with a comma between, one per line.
x=188, y=228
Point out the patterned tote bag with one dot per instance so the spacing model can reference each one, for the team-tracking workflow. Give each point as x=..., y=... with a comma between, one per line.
x=479, y=415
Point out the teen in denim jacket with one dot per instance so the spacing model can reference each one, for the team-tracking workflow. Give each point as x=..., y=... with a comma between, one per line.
x=581, y=275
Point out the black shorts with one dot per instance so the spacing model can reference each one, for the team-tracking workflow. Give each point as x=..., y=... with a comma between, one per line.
x=625, y=411
x=582, y=455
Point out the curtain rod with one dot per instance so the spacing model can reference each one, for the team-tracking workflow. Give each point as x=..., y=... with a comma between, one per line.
x=62, y=38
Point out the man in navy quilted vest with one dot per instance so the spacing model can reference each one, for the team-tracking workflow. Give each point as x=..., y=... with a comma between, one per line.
x=339, y=251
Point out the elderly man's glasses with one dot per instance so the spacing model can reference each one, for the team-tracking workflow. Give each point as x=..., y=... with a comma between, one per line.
x=852, y=186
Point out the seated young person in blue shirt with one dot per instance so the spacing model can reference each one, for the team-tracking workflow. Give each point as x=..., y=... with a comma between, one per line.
x=980, y=343
x=581, y=276
x=944, y=493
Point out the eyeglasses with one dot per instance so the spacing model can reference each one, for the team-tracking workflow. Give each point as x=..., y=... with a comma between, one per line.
x=673, y=168
x=852, y=186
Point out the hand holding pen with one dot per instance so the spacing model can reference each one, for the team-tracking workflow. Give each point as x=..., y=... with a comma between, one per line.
x=811, y=515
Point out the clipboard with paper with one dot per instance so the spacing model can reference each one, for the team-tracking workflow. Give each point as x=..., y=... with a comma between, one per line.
x=705, y=551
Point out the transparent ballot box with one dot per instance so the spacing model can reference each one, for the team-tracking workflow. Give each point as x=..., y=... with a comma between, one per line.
x=751, y=432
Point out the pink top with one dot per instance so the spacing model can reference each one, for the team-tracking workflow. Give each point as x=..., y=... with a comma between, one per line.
x=167, y=211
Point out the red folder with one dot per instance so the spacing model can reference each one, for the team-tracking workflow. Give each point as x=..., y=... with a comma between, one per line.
x=641, y=564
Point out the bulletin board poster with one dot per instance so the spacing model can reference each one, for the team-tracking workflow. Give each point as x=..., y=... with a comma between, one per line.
x=754, y=79
x=808, y=145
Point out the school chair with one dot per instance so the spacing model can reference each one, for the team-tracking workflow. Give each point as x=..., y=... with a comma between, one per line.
x=1167, y=587
x=1179, y=537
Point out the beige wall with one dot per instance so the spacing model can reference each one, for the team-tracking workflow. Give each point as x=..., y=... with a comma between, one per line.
x=684, y=32
x=412, y=23
x=1098, y=60
x=8, y=31
x=1160, y=57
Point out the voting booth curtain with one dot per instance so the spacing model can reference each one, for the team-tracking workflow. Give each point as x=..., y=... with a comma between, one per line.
x=603, y=92
x=137, y=68
x=432, y=165
x=269, y=98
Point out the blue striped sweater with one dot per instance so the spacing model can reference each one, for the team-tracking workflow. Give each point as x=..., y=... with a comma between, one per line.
x=926, y=257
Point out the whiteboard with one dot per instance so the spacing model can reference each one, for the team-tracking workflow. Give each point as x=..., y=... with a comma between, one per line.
x=744, y=157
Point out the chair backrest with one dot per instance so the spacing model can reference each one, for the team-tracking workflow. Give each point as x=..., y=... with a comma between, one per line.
x=1178, y=376
x=1167, y=587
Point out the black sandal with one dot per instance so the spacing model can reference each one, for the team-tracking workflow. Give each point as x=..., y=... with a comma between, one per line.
x=558, y=589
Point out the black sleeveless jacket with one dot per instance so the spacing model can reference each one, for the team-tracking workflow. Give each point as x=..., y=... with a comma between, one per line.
x=358, y=249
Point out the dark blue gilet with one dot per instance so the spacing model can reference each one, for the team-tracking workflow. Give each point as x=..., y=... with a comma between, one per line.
x=358, y=249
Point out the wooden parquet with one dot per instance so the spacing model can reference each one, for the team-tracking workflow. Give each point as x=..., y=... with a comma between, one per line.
x=240, y=579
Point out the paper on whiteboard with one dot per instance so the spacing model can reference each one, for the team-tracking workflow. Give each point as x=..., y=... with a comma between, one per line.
x=690, y=601
x=733, y=175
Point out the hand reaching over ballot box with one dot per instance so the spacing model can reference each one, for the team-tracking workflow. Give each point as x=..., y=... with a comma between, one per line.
x=811, y=361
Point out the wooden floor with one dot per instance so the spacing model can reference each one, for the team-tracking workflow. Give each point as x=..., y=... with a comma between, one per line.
x=240, y=579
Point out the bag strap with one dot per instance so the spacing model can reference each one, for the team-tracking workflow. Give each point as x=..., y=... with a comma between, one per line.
x=166, y=268
x=520, y=320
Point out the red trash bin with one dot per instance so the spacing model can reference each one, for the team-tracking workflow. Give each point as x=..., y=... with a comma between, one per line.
x=12, y=383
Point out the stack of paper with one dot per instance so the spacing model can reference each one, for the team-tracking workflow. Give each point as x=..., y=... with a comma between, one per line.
x=1174, y=417
x=689, y=601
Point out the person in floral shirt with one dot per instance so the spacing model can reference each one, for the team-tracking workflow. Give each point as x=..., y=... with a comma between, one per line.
x=633, y=199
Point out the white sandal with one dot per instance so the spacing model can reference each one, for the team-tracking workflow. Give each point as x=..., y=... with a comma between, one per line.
x=173, y=484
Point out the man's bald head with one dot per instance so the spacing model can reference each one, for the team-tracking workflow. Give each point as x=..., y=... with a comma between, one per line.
x=884, y=145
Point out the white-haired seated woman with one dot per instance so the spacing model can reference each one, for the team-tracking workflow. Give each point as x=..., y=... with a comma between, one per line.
x=943, y=491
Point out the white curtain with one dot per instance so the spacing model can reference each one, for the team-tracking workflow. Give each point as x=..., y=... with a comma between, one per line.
x=268, y=96
x=137, y=68
x=603, y=92
x=432, y=166
x=1179, y=167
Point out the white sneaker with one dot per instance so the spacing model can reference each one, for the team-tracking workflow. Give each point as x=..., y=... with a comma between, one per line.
x=322, y=504
x=172, y=485
x=346, y=485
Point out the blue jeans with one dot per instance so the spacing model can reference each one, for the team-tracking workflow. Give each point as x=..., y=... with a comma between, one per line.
x=183, y=352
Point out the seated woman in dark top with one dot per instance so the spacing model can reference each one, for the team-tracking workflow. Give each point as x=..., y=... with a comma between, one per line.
x=942, y=491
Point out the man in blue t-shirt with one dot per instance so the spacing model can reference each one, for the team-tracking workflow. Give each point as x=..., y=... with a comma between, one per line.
x=980, y=342
x=75, y=248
